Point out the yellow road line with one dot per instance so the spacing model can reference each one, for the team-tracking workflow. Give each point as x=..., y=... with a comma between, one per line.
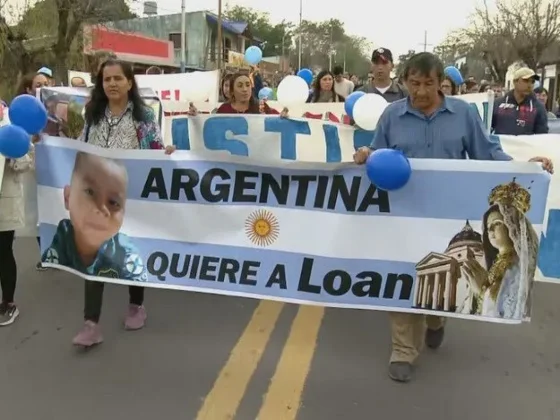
x=223, y=400
x=283, y=398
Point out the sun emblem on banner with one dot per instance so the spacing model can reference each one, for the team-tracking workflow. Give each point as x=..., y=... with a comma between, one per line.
x=262, y=228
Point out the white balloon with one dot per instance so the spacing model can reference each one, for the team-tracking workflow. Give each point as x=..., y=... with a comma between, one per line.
x=368, y=109
x=292, y=90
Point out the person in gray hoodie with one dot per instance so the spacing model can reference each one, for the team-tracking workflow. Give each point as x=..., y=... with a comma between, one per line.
x=519, y=112
x=382, y=84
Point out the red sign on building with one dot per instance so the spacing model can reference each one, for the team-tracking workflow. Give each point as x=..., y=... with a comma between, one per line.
x=128, y=46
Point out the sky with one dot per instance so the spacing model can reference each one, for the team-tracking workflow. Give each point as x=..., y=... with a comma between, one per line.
x=398, y=33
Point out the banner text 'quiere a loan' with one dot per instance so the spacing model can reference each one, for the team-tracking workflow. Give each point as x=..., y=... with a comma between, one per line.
x=312, y=280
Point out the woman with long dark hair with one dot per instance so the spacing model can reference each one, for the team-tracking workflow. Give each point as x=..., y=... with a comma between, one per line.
x=242, y=101
x=323, y=89
x=116, y=118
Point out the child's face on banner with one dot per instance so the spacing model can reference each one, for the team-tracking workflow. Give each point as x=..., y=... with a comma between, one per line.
x=96, y=200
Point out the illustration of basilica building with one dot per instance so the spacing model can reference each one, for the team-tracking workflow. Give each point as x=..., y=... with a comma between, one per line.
x=439, y=283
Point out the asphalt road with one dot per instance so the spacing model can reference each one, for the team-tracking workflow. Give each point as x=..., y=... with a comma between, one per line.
x=215, y=358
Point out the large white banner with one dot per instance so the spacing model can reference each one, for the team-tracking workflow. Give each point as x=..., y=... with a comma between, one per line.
x=310, y=233
x=334, y=112
x=322, y=141
x=198, y=86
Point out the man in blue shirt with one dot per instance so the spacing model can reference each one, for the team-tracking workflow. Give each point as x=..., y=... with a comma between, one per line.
x=428, y=125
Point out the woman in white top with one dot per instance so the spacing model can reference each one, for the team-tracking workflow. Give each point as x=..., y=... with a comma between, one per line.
x=12, y=217
x=28, y=85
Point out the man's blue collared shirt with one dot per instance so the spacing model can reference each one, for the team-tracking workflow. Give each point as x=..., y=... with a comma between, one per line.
x=454, y=131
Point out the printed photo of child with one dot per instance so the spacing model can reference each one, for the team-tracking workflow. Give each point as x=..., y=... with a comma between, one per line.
x=90, y=241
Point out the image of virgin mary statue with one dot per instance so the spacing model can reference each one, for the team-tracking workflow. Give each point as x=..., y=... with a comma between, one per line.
x=503, y=288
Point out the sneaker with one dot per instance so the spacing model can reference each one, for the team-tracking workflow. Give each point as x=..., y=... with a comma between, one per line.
x=8, y=314
x=39, y=267
x=89, y=335
x=135, y=318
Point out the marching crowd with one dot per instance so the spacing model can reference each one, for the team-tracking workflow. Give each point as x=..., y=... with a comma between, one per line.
x=423, y=96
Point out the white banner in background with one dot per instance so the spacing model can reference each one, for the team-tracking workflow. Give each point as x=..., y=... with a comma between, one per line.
x=197, y=86
x=484, y=103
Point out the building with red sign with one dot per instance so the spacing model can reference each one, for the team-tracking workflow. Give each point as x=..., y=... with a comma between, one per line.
x=202, y=46
x=141, y=50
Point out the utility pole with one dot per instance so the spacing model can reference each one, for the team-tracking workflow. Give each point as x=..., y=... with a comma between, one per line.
x=300, y=22
x=331, y=50
x=220, y=43
x=283, y=60
x=183, y=37
x=425, y=43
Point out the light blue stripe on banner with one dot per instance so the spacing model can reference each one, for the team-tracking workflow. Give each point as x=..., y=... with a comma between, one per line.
x=455, y=199
x=319, y=279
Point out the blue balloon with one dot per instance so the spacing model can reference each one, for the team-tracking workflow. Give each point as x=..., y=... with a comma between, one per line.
x=454, y=74
x=388, y=169
x=14, y=141
x=266, y=93
x=253, y=55
x=27, y=112
x=350, y=101
x=306, y=75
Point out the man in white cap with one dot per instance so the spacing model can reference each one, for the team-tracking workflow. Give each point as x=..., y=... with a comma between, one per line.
x=519, y=112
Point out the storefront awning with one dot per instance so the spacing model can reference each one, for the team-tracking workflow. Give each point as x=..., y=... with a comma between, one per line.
x=127, y=46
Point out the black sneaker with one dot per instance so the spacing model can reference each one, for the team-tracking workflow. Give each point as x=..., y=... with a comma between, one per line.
x=8, y=314
x=39, y=267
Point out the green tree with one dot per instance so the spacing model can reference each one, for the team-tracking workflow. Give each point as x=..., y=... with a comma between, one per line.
x=357, y=55
x=403, y=58
x=323, y=43
x=276, y=39
x=530, y=26
x=51, y=29
x=519, y=30
x=326, y=44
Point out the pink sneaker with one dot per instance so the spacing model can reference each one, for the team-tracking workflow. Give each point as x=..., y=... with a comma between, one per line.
x=89, y=335
x=135, y=318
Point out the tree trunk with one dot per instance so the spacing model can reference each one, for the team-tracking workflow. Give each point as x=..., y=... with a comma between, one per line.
x=60, y=48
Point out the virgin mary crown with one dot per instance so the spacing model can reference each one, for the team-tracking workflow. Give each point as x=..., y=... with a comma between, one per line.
x=511, y=194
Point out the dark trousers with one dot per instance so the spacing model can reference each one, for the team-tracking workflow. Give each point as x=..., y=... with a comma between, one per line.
x=94, y=299
x=8, y=268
